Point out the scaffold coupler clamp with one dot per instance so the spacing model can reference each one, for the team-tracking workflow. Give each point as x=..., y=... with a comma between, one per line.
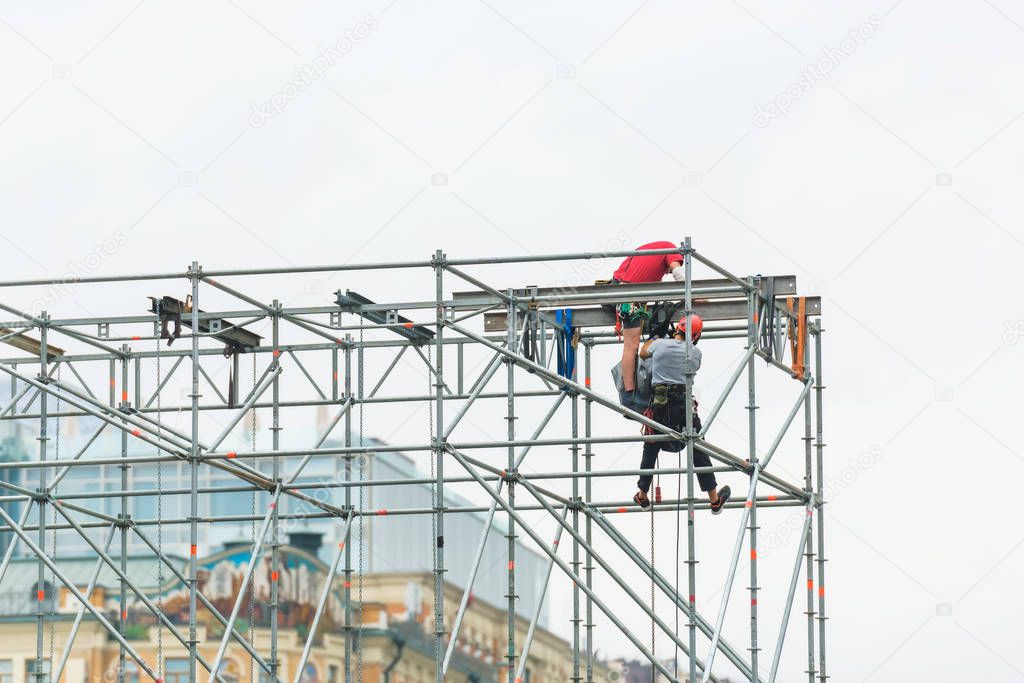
x=438, y=260
x=572, y=391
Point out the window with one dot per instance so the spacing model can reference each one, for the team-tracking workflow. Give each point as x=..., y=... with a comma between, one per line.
x=308, y=674
x=6, y=671
x=176, y=671
x=131, y=671
x=30, y=671
x=332, y=674
x=231, y=503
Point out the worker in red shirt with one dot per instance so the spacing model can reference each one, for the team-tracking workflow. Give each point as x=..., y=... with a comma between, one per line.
x=641, y=268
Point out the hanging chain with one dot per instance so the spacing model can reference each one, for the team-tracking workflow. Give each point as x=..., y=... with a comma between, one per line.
x=159, y=525
x=361, y=473
x=654, y=670
x=679, y=512
x=252, y=526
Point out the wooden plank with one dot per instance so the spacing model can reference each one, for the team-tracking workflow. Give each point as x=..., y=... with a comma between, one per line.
x=27, y=343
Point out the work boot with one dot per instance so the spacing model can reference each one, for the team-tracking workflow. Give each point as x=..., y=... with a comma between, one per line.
x=723, y=498
x=641, y=499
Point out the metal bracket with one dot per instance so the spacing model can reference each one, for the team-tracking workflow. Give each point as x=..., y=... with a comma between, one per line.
x=103, y=330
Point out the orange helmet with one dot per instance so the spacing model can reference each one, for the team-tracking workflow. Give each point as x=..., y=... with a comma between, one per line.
x=696, y=325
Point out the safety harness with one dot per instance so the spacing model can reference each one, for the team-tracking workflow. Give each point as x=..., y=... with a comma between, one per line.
x=797, y=333
x=566, y=340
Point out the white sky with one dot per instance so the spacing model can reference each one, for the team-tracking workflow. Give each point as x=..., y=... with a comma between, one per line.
x=891, y=187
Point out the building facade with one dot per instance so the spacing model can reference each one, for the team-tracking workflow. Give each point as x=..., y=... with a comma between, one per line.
x=391, y=639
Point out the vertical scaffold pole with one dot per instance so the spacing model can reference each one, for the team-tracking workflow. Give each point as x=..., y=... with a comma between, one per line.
x=510, y=418
x=439, y=449
x=275, y=530
x=348, y=506
x=193, y=532
x=691, y=550
x=752, y=306
x=809, y=542
x=575, y=450
x=43, y=439
x=123, y=517
x=819, y=445
x=588, y=568
x=112, y=401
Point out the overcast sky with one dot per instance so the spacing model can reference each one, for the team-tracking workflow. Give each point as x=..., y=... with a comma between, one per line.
x=872, y=149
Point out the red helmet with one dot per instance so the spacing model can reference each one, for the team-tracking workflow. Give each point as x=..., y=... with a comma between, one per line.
x=696, y=325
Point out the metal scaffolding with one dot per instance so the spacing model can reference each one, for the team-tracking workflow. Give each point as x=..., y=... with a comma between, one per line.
x=778, y=326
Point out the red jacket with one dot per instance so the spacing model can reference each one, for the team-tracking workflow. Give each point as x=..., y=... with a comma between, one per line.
x=647, y=268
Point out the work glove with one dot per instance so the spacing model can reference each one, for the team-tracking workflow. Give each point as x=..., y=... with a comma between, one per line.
x=678, y=274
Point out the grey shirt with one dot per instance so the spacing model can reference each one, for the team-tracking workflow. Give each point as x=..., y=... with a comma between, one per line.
x=671, y=359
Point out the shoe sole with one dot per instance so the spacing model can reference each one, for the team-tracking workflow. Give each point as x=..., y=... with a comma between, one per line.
x=728, y=495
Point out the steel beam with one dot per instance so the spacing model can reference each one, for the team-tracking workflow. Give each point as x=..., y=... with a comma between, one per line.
x=712, y=288
x=707, y=309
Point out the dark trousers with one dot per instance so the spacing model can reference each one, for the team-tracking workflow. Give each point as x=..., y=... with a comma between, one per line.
x=650, y=457
x=673, y=415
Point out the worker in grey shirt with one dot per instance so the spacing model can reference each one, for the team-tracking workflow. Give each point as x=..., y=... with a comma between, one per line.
x=672, y=360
